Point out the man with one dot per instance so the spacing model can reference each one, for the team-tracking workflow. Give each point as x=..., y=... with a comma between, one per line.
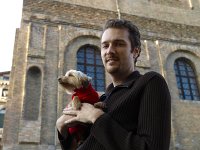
x=138, y=106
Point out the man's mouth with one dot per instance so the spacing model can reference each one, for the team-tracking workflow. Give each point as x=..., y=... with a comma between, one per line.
x=111, y=60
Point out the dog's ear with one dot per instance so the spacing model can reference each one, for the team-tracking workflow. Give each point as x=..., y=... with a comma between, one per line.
x=86, y=81
x=89, y=79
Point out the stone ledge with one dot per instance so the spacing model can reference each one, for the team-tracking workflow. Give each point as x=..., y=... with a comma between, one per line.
x=29, y=131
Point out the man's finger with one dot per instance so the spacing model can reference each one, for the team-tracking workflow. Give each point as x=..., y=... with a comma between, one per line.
x=72, y=122
x=71, y=112
x=68, y=108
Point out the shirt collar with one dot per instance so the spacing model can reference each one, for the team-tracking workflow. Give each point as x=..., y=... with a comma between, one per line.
x=128, y=83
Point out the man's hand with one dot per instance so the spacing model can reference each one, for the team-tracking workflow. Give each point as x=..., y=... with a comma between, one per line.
x=87, y=114
x=61, y=126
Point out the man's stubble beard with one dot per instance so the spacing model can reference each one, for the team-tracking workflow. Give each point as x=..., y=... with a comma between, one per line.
x=113, y=70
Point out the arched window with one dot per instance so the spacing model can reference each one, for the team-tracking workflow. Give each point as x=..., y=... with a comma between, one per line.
x=32, y=94
x=186, y=80
x=89, y=61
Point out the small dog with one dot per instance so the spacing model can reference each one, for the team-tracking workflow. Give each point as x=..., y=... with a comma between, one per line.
x=79, y=86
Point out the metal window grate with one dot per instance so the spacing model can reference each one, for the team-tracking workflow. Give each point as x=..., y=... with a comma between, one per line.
x=89, y=61
x=186, y=80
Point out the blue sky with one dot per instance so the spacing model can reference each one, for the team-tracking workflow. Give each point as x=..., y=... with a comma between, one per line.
x=10, y=16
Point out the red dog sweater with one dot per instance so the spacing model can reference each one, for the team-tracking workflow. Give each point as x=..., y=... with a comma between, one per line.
x=86, y=95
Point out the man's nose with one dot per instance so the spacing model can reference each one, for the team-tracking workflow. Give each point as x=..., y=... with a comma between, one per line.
x=111, y=49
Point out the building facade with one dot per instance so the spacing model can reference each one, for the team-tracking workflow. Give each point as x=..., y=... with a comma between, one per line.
x=59, y=35
x=4, y=87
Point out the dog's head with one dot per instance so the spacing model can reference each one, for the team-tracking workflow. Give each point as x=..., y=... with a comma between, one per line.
x=74, y=79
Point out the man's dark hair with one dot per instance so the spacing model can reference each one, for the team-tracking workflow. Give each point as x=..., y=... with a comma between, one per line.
x=134, y=34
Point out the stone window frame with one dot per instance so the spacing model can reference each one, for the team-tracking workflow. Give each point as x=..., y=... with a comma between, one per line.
x=70, y=51
x=26, y=109
x=170, y=73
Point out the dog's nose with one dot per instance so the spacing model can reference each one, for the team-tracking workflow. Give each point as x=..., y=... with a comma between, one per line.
x=60, y=79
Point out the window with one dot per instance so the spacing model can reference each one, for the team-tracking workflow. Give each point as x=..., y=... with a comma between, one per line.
x=2, y=113
x=89, y=61
x=186, y=80
x=4, y=93
x=5, y=78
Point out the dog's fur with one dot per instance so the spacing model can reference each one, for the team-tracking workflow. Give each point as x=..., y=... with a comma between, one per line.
x=78, y=85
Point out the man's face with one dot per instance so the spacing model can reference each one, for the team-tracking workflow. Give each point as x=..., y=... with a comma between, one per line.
x=116, y=51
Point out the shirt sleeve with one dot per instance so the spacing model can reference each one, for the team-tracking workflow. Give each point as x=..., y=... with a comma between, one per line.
x=64, y=142
x=154, y=119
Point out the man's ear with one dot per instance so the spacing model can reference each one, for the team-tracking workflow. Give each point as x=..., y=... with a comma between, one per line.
x=135, y=52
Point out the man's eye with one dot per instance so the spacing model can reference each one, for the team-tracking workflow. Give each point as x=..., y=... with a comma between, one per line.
x=119, y=44
x=105, y=46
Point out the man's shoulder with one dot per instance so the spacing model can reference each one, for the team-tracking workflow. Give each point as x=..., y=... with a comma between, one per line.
x=151, y=74
x=153, y=78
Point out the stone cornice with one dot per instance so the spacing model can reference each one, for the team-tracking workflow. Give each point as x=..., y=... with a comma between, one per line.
x=145, y=34
x=86, y=17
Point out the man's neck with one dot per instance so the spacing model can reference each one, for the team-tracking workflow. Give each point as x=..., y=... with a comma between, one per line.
x=119, y=79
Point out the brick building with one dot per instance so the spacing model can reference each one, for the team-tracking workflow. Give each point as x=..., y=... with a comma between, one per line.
x=58, y=35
